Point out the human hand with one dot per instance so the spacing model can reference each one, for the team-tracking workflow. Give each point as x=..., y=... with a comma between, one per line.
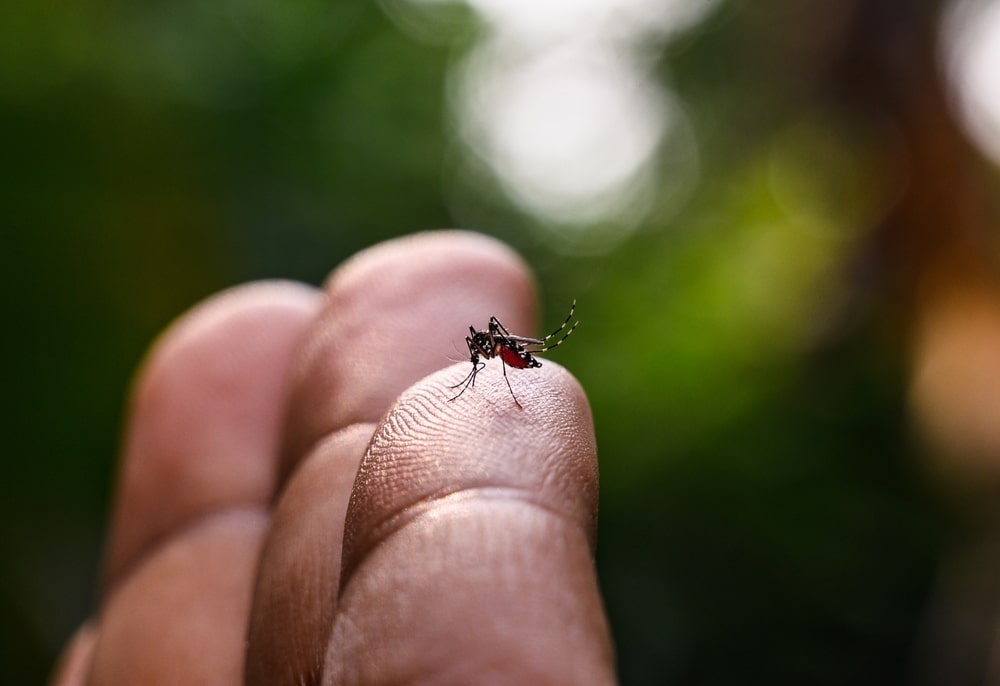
x=261, y=533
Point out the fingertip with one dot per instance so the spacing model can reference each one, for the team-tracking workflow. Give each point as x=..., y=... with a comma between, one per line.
x=206, y=413
x=430, y=444
x=204, y=319
x=459, y=256
x=468, y=546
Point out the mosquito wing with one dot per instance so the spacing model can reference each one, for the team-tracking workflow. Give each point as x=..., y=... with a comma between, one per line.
x=524, y=340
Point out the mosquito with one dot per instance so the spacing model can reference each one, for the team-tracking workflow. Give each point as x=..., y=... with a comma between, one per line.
x=514, y=351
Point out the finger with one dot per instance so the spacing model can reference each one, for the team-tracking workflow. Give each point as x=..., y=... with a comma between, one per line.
x=75, y=661
x=199, y=469
x=206, y=415
x=394, y=314
x=180, y=617
x=299, y=572
x=468, y=550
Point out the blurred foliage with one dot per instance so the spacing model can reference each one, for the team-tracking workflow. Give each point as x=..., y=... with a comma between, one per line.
x=762, y=520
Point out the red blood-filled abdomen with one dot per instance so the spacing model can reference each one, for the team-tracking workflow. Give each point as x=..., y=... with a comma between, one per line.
x=513, y=359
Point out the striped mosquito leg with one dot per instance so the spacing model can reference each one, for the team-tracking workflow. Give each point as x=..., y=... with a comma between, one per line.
x=562, y=326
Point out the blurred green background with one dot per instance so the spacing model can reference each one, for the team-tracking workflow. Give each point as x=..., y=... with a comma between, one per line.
x=764, y=517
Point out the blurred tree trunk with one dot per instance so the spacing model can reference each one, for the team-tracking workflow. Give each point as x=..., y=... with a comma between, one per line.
x=938, y=253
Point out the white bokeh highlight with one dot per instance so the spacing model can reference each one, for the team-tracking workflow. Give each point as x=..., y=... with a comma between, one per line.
x=971, y=43
x=571, y=133
x=537, y=21
x=558, y=100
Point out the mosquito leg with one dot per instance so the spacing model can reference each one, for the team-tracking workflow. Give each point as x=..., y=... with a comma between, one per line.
x=504, y=367
x=496, y=327
x=470, y=379
x=464, y=383
x=562, y=326
x=560, y=341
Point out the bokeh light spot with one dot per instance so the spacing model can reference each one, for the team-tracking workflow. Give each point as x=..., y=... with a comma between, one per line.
x=568, y=133
x=971, y=42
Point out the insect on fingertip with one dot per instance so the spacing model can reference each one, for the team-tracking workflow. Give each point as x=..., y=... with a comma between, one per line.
x=513, y=350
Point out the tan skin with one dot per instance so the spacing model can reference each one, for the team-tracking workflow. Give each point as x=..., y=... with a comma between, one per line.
x=261, y=535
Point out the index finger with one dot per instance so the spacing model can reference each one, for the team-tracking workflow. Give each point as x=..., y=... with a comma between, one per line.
x=468, y=548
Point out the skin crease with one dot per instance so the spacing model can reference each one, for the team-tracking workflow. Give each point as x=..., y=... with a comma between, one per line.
x=300, y=503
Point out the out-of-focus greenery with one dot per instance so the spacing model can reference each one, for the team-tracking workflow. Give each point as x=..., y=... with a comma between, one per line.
x=762, y=517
